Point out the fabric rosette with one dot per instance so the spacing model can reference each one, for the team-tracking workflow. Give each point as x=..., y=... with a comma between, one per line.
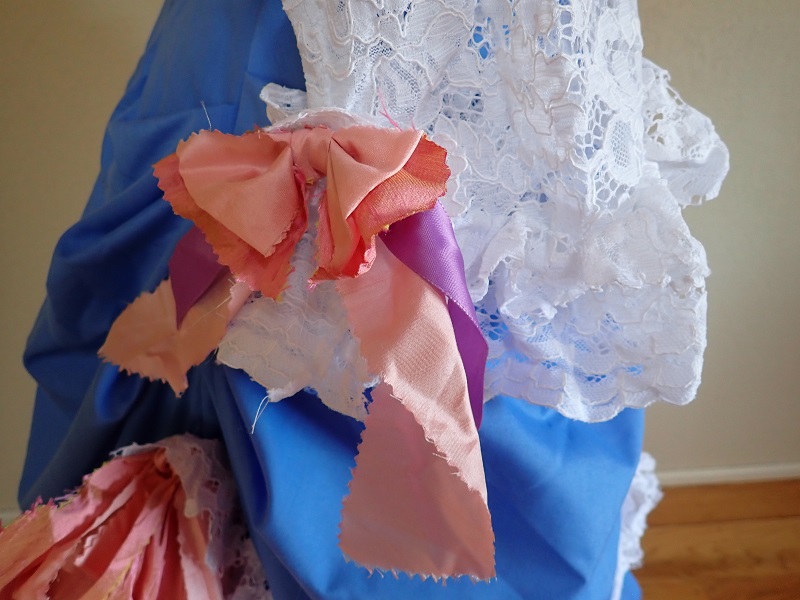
x=417, y=501
x=156, y=521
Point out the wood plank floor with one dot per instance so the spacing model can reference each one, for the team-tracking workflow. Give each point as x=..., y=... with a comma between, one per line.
x=724, y=542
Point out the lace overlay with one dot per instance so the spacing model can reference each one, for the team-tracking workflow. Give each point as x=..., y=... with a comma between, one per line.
x=301, y=341
x=571, y=157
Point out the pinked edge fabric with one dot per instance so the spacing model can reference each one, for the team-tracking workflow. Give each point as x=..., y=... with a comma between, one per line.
x=156, y=521
x=103, y=262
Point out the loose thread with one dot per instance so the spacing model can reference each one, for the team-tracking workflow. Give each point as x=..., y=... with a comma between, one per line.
x=262, y=406
x=213, y=310
x=385, y=112
x=205, y=110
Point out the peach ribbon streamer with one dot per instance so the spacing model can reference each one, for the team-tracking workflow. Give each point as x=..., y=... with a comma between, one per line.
x=248, y=195
x=418, y=496
x=128, y=532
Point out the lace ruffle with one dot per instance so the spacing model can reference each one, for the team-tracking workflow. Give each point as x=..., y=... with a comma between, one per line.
x=301, y=341
x=571, y=159
x=643, y=496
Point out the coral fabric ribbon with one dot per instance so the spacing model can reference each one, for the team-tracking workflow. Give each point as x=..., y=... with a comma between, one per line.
x=147, y=338
x=406, y=510
x=248, y=195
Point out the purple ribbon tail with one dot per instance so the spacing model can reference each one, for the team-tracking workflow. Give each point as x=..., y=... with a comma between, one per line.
x=193, y=269
x=426, y=243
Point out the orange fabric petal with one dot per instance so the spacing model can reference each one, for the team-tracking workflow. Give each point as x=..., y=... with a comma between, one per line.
x=23, y=542
x=147, y=340
x=242, y=192
x=235, y=178
x=376, y=177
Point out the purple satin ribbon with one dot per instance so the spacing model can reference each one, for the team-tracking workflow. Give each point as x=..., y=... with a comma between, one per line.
x=193, y=269
x=426, y=243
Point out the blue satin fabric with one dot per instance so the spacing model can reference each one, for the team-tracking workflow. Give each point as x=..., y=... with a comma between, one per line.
x=555, y=486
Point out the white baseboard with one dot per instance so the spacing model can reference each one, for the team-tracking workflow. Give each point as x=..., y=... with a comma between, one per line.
x=729, y=474
x=8, y=514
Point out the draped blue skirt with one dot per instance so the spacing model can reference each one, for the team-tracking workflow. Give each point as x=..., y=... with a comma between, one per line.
x=555, y=486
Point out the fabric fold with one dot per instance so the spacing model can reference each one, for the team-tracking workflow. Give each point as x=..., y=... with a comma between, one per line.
x=426, y=243
x=407, y=510
x=193, y=269
x=204, y=180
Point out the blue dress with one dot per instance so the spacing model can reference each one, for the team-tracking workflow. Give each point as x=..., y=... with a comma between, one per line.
x=555, y=486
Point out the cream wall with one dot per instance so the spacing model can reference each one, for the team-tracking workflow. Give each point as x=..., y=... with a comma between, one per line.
x=735, y=60
x=65, y=65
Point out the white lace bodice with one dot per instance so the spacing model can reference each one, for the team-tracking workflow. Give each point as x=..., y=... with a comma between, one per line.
x=571, y=157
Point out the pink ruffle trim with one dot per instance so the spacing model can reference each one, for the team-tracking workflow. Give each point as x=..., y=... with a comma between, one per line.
x=150, y=523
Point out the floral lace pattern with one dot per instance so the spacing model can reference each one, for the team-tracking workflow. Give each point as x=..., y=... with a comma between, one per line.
x=301, y=341
x=571, y=157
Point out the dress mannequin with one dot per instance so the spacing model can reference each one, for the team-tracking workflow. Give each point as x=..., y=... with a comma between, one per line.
x=571, y=158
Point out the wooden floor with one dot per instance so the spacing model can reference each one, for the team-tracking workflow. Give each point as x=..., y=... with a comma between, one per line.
x=724, y=542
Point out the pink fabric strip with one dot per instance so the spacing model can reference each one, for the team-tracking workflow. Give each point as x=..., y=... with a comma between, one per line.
x=407, y=509
x=406, y=336
x=426, y=243
x=146, y=339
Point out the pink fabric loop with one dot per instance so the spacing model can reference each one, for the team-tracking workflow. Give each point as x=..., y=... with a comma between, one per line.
x=247, y=194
